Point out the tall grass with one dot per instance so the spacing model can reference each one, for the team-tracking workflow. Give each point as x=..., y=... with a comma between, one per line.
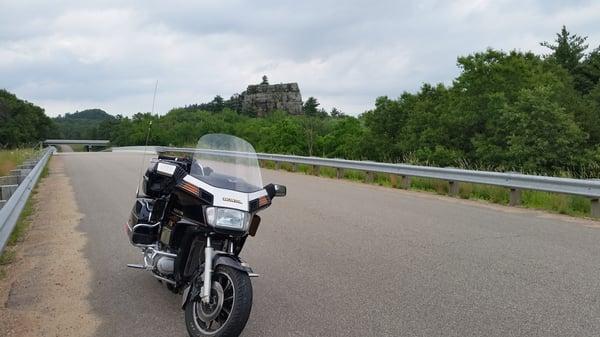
x=9, y=159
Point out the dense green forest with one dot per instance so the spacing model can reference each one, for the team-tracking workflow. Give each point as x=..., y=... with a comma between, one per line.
x=22, y=122
x=81, y=124
x=511, y=111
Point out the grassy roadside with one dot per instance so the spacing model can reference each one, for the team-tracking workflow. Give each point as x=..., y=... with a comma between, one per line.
x=9, y=159
x=9, y=254
x=551, y=202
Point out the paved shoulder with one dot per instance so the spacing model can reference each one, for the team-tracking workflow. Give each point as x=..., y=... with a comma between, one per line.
x=46, y=288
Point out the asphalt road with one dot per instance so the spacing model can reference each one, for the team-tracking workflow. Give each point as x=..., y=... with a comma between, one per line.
x=338, y=258
x=66, y=148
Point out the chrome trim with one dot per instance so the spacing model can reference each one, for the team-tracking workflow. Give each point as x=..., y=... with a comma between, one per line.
x=150, y=208
x=160, y=252
x=164, y=279
x=135, y=266
x=208, y=256
x=150, y=252
x=143, y=225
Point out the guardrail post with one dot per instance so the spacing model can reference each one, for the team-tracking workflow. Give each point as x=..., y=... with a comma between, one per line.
x=595, y=209
x=453, y=188
x=369, y=177
x=514, y=197
x=9, y=180
x=405, y=182
x=277, y=165
x=316, y=170
x=339, y=173
x=294, y=167
x=394, y=180
x=6, y=191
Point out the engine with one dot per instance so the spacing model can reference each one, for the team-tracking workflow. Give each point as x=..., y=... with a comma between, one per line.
x=159, y=261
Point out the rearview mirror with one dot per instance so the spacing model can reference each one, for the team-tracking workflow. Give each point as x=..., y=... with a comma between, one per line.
x=280, y=190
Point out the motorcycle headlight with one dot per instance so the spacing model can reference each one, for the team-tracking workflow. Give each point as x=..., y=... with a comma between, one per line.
x=227, y=218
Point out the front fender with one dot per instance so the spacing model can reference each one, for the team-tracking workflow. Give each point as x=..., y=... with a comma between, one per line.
x=231, y=261
x=224, y=259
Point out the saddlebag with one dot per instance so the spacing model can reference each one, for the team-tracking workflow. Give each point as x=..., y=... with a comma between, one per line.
x=142, y=227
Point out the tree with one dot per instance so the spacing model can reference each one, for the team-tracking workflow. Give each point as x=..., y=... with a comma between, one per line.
x=337, y=113
x=217, y=104
x=310, y=107
x=383, y=126
x=568, y=50
x=587, y=74
x=83, y=124
x=312, y=127
x=344, y=139
x=591, y=119
x=22, y=123
x=533, y=134
x=234, y=103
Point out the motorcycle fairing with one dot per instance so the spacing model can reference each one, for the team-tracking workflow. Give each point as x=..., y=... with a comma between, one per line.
x=229, y=198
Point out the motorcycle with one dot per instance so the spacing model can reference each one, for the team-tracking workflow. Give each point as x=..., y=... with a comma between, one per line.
x=191, y=225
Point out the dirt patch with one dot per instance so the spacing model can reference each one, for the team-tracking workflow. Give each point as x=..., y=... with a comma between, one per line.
x=46, y=288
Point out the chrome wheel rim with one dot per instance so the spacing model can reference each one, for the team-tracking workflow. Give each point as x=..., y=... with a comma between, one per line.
x=212, y=317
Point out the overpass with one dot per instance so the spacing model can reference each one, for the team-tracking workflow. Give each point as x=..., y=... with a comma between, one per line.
x=88, y=143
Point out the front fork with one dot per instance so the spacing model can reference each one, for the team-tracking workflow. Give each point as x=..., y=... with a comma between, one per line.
x=208, y=260
x=204, y=292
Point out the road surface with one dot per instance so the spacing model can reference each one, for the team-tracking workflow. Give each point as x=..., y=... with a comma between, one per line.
x=66, y=148
x=339, y=258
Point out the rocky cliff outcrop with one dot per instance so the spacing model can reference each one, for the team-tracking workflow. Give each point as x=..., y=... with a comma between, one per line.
x=260, y=99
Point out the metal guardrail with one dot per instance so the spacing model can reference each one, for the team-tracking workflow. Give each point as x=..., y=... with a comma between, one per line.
x=514, y=181
x=76, y=141
x=10, y=212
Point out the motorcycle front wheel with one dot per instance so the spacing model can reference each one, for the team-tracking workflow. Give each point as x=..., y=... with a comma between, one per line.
x=228, y=310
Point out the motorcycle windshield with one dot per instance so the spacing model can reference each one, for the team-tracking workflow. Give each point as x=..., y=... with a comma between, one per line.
x=227, y=162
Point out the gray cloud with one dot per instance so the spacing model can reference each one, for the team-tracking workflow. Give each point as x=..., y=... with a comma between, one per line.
x=72, y=55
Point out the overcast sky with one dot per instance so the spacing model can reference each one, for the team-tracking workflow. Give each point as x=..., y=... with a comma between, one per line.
x=73, y=55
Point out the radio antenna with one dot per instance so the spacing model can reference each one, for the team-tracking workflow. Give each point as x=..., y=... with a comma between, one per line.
x=137, y=192
x=154, y=97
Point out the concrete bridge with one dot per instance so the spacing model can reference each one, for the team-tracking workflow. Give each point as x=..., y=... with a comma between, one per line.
x=88, y=143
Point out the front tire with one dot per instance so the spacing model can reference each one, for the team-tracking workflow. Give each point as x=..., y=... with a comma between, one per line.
x=229, y=309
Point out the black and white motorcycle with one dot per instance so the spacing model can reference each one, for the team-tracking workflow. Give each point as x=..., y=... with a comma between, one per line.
x=192, y=223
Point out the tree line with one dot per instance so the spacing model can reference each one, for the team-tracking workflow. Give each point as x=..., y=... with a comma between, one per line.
x=21, y=122
x=510, y=111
